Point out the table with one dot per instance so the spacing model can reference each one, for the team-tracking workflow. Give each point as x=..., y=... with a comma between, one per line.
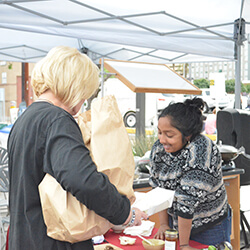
x=113, y=238
x=232, y=183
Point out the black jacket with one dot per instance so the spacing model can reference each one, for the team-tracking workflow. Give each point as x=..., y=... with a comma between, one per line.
x=46, y=139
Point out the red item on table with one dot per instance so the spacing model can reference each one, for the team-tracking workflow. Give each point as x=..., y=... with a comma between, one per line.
x=113, y=238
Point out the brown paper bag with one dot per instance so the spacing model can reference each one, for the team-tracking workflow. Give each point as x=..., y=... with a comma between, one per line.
x=110, y=145
x=65, y=217
x=105, y=135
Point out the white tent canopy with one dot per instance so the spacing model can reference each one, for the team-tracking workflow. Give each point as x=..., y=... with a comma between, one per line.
x=159, y=31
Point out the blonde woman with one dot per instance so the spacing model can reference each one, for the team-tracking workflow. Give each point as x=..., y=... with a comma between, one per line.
x=46, y=139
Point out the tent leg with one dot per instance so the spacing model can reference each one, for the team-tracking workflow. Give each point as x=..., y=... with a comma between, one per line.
x=140, y=115
x=238, y=77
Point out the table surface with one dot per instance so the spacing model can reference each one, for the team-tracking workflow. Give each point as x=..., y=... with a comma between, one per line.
x=234, y=171
x=113, y=238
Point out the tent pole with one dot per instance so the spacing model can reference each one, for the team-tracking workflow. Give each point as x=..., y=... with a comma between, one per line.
x=238, y=77
x=239, y=37
x=189, y=72
x=140, y=115
x=23, y=82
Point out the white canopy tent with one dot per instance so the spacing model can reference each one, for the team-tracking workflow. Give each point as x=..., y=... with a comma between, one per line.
x=164, y=30
x=159, y=31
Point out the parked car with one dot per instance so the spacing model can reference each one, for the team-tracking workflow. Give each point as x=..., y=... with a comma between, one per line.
x=163, y=100
x=223, y=100
x=210, y=101
x=126, y=100
x=248, y=102
x=155, y=103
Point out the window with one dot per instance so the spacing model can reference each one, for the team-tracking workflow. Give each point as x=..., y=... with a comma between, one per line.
x=2, y=105
x=4, y=78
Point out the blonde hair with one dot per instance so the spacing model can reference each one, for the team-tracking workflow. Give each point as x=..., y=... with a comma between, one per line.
x=70, y=75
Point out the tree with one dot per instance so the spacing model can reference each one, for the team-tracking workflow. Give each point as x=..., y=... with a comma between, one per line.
x=202, y=83
x=247, y=86
x=230, y=87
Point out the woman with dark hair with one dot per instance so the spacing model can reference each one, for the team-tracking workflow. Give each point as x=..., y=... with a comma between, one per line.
x=184, y=160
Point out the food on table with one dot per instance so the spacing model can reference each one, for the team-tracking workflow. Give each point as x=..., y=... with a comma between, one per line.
x=156, y=244
x=108, y=248
x=222, y=246
x=124, y=240
x=171, y=238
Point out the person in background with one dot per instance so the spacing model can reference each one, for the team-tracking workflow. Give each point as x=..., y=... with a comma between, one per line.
x=248, y=102
x=210, y=123
x=203, y=117
x=47, y=139
x=22, y=107
x=184, y=160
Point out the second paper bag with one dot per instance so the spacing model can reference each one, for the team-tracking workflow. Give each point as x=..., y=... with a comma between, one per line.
x=110, y=145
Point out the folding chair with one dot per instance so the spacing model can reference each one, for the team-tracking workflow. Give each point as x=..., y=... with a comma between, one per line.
x=4, y=178
x=233, y=129
x=4, y=190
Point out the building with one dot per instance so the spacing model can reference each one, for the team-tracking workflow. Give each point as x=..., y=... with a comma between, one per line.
x=202, y=69
x=11, y=91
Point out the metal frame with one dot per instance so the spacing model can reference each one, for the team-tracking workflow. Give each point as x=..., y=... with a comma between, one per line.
x=238, y=43
x=127, y=19
x=23, y=46
x=123, y=18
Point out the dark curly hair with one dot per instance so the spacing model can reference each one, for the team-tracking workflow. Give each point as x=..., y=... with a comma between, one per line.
x=186, y=117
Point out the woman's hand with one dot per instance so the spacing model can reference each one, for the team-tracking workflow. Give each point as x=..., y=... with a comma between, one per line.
x=135, y=217
x=161, y=232
x=139, y=216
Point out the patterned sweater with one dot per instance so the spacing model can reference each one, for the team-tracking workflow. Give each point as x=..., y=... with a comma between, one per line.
x=195, y=174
